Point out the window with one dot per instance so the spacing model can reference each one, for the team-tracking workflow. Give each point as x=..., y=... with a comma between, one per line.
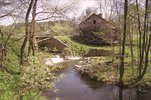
x=94, y=21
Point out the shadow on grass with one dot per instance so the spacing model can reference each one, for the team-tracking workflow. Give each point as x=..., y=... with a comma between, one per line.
x=79, y=40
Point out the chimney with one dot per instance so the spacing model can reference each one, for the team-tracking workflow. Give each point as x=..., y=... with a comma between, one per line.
x=100, y=15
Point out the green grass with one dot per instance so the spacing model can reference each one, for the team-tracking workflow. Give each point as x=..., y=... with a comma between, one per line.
x=76, y=48
x=110, y=73
x=10, y=83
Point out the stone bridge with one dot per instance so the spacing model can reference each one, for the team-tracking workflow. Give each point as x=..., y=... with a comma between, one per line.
x=52, y=43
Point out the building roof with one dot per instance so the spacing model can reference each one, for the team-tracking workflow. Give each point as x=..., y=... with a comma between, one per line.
x=108, y=24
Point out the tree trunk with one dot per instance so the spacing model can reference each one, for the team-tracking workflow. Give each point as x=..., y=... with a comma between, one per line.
x=22, y=51
x=32, y=33
x=143, y=47
x=131, y=48
x=146, y=58
x=123, y=45
x=140, y=37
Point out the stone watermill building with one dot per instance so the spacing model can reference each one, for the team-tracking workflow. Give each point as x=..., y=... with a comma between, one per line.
x=96, y=30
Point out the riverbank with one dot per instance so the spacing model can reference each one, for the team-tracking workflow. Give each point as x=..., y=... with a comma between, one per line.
x=107, y=72
x=76, y=48
x=99, y=69
x=73, y=86
x=105, y=68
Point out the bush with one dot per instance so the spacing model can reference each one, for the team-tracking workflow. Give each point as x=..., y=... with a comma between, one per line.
x=33, y=79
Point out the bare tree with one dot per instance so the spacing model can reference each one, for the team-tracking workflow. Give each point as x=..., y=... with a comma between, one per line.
x=107, y=8
x=41, y=11
x=26, y=31
x=32, y=30
x=144, y=43
x=123, y=45
x=8, y=10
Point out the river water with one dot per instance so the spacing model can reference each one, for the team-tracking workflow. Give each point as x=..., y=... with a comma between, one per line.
x=74, y=87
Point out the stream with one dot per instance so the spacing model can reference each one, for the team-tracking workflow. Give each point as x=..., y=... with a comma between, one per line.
x=74, y=87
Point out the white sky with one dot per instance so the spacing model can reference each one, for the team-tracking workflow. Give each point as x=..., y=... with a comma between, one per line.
x=6, y=21
x=83, y=4
x=87, y=3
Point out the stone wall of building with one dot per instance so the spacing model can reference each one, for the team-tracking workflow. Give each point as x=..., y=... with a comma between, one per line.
x=98, y=31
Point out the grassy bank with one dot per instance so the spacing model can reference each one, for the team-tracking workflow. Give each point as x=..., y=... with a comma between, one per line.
x=101, y=69
x=76, y=48
x=106, y=71
x=106, y=68
x=35, y=76
x=28, y=83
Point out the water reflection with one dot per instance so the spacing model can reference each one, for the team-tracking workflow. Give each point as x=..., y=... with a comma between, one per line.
x=75, y=87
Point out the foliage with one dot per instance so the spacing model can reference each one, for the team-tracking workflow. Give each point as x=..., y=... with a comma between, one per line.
x=52, y=27
x=106, y=70
x=36, y=77
x=33, y=79
x=63, y=28
x=28, y=85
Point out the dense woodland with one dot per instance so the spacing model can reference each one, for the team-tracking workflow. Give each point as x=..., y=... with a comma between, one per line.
x=23, y=76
